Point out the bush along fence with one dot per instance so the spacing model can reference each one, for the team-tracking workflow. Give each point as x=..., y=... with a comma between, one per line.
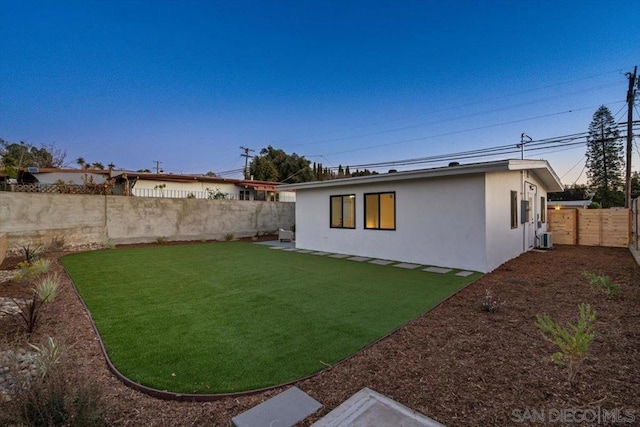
x=41, y=218
x=590, y=227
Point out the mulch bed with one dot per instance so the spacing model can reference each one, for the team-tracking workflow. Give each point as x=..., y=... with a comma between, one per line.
x=457, y=364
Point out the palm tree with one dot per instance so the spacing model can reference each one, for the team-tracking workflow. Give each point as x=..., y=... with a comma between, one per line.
x=81, y=162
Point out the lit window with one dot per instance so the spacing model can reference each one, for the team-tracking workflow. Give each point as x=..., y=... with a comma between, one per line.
x=343, y=211
x=380, y=211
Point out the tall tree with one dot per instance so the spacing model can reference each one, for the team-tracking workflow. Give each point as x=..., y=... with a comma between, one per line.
x=605, y=162
x=275, y=165
x=15, y=156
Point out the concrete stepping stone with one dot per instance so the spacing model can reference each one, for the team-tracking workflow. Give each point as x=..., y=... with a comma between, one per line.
x=304, y=251
x=359, y=258
x=439, y=270
x=277, y=247
x=464, y=273
x=369, y=408
x=381, y=262
x=407, y=265
x=320, y=253
x=283, y=410
x=290, y=249
x=339, y=256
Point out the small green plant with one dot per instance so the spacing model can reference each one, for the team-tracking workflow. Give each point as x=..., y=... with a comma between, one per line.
x=602, y=284
x=573, y=341
x=110, y=244
x=191, y=196
x=489, y=303
x=29, y=272
x=47, y=287
x=228, y=237
x=161, y=240
x=48, y=356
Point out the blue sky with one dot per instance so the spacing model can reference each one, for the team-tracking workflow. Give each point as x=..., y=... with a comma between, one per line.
x=350, y=82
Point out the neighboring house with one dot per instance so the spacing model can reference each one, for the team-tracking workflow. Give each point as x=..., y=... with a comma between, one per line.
x=197, y=186
x=569, y=204
x=474, y=216
x=56, y=175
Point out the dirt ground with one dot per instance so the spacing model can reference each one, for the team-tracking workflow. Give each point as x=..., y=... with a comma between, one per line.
x=457, y=364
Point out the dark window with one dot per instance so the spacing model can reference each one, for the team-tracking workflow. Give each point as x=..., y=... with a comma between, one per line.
x=380, y=211
x=514, y=209
x=543, y=210
x=343, y=211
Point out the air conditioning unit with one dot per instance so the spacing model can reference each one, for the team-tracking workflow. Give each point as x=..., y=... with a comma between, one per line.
x=546, y=240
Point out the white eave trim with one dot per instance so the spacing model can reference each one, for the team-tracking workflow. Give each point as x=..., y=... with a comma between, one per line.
x=540, y=167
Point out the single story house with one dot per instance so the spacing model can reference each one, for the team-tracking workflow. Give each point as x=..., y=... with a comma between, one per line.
x=144, y=184
x=46, y=176
x=569, y=204
x=471, y=216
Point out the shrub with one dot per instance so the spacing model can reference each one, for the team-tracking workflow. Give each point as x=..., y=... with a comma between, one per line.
x=110, y=244
x=29, y=312
x=489, y=303
x=161, y=240
x=57, y=243
x=30, y=254
x=47, y=288
x=602, y=284
x=29, y=272
x=228, y=237
x=58, y=396
x=573, y=341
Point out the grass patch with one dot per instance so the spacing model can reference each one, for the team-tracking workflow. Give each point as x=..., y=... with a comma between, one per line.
x=226, y=317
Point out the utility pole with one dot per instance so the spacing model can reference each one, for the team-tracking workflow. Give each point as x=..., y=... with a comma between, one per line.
x=631, y=96
x=246, y=156
x=157, y=162
x=522, y=142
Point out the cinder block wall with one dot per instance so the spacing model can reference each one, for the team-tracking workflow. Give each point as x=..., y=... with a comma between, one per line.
x=81, y=219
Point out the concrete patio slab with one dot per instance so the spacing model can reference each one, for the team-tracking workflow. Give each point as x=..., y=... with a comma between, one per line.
x=283, y=410
x=369, y=408
x=320, y=253
x=407, y=266
x=358, y=258
x=339, y=256
x=381, y=262
x=464, y=273
x=439, y=270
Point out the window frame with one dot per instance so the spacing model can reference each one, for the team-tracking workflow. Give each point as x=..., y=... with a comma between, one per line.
x=342, y=197
x=379, y=227
x=543, y=209
x=514, y=209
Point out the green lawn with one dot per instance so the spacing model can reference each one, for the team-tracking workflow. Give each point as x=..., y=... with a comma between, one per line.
x=226, y=317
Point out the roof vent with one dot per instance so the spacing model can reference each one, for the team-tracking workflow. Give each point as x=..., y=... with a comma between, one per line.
x=393, y=170
x=454, y=164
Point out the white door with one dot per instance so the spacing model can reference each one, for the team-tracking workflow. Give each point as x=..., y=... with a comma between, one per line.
x=531, y=195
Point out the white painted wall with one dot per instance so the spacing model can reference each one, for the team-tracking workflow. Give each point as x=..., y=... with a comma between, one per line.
x=74, y=177
x=504, y=243
x=439, y=222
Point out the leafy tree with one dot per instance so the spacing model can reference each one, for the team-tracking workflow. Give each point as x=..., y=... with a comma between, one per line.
x=210, y=173
x=97, y=165
x=573, y=192
x=605, y=162
x=635, y=185
x=275, y=165
x=15, y=156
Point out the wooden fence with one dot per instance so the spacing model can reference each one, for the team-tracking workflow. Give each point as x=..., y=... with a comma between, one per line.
x=590, y=227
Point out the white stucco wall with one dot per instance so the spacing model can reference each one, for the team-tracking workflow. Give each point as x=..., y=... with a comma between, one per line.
x=439, y=222
x=503, y=242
